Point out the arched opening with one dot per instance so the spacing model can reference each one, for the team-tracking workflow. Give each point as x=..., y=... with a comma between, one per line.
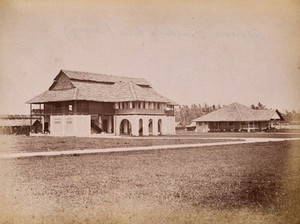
x=159, y=126
x=141, y=127
x=125, y=127
x=150, y=127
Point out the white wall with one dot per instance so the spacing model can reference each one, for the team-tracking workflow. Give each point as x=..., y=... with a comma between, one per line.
x=170, y=125
x=201, y=127
x=70, y=125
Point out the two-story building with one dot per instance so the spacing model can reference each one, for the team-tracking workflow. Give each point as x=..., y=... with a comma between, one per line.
x=81, y=103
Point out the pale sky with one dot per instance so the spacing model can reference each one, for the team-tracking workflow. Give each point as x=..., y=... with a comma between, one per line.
x=211, y=51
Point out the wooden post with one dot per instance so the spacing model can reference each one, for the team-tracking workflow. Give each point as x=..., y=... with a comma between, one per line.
x=30, y=118
x=75, y=107
x=63, y=108
x=40, y=117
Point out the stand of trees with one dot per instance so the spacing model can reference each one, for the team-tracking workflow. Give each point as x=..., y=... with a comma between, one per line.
x=292, y=116
x=185, y=114
x=258, y=107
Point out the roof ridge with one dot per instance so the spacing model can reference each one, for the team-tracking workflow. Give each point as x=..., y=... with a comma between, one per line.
x=238, y=109
x=75, y=93
x=109, y=75
x=132, y=90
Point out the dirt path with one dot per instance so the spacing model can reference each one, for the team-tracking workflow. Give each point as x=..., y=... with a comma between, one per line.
x=156, y=147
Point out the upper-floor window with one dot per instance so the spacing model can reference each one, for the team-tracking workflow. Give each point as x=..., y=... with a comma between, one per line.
x=70, y=107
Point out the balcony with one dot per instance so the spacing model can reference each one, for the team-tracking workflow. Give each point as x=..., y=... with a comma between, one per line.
x=169, y=113
x=140, y=111
x=60, y=111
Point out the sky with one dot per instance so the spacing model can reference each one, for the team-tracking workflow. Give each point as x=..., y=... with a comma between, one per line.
x=214, y=52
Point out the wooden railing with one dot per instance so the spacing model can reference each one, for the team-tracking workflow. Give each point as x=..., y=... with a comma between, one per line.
x=140, y=111
x=60, y=111
x=85, y=110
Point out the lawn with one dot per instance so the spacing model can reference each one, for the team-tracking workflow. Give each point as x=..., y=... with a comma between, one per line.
x=14, y=143
x=287, y=134
x=251, y=183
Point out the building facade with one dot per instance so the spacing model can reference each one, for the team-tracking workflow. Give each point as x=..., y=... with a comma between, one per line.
x=81, y=104
x=237, y=117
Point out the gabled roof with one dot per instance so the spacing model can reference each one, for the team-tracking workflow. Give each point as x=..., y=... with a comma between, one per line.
x=191, y=125
x=239, y=112
x=100, y=88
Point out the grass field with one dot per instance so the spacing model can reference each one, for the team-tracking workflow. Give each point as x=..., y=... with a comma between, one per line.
x=253, y=183
x=287, y=134
x=13, y=143
x=16, y=143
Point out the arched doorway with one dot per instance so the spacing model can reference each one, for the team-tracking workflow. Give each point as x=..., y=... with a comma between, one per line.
x=141, y=127
x=125, y=127
x=150, y=127
x=159, y=126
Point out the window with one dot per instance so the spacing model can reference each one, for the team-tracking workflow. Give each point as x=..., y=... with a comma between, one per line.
x=70, y=107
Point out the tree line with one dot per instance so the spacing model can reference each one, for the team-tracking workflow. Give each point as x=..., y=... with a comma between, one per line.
x=185, y=114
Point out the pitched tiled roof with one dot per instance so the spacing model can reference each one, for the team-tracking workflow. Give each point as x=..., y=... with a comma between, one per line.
x=238, y=112
x=105, y=88
x=96, y=77
x=191, y=125
x=54, y=96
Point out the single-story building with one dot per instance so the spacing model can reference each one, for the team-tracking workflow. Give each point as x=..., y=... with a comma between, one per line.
x=238, y=117
x=191, y=126
x=19, y=124
x=81, y=103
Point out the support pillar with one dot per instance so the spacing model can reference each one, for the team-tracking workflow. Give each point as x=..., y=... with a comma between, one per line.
x=134, y=126
x=155, y=127
x=30, y=118
x=145, y=127
x=109, y=124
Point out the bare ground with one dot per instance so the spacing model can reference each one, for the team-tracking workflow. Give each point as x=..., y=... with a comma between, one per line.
x=255, y=183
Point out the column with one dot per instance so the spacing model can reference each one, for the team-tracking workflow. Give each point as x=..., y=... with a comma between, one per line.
x=30, y=117
x=145, y=126
x=109, y=124
x=135, y=126
x=155, y=126
x=116, y=125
